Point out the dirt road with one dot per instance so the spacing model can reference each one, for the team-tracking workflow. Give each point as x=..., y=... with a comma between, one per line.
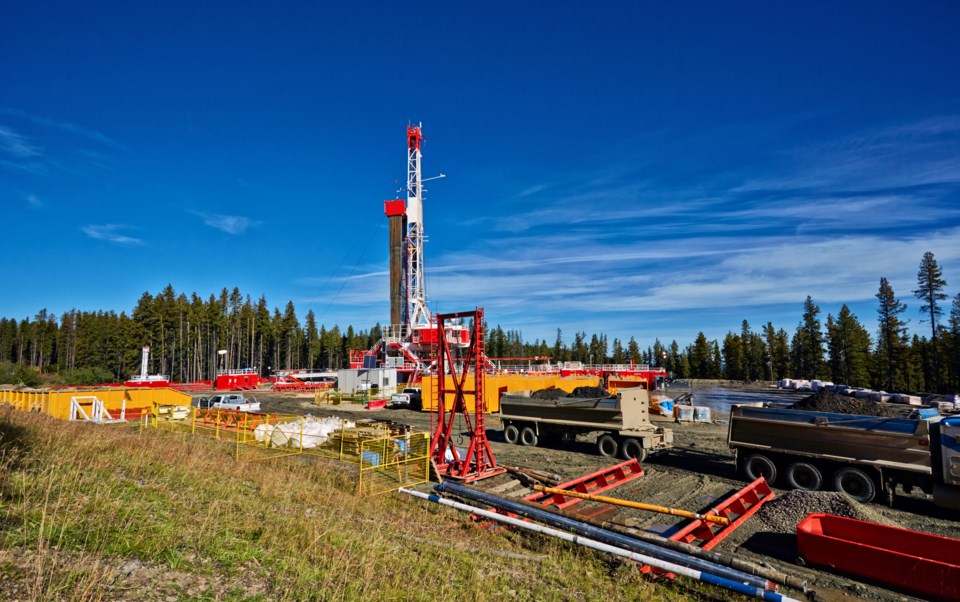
x=698, y=472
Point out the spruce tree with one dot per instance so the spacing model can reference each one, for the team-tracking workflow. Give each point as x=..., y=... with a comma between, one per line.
x=674, y=364
x=954, y=355
x=716, y=361
x=700, y=357
x=558, y=348
x=619, y=355
x=312, y=336
x=891, y=339
x=807, y=346
x=733, y=357
x=848, y=343
x=633, y=350
x=930, y=286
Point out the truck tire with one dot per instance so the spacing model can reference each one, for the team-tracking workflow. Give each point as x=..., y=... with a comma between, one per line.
x=607, y=446
x=758, y=465
x=855, y=483
x=632, y=448
x=511, y=434
x=804, y=476
x=528, y=437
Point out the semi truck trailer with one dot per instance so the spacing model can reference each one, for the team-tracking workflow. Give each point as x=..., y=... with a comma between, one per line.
x=621, y=423
x=862, y=456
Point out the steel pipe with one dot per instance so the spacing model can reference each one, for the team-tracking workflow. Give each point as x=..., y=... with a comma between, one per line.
x=686, y=548
x=705, y=577
x=720, y=520
x=603, y=535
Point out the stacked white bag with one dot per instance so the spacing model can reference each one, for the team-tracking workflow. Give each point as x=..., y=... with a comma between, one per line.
x=306, y=432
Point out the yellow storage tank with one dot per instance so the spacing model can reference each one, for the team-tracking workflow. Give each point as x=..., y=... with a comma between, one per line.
x=57, y=403
x=496, y=384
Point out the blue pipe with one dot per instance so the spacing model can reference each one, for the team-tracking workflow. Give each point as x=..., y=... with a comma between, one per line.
x=742, y=588
x=604, y=535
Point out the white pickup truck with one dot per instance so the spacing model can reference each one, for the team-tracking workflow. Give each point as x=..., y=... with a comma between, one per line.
x=409, y=397
x=230, y=401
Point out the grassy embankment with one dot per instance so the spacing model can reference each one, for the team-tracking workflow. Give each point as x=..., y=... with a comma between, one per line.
x=92, y=513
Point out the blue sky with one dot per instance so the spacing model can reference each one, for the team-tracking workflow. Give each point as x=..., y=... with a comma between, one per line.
x=637, y=169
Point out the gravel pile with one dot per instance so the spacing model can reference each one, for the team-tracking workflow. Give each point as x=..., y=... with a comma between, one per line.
x=589, y=392
x=828, y=401
x=549, y=394
x=784, y=513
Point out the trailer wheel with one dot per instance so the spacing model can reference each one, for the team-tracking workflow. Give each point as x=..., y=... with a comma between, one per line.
x=631, y=448
x=528, y=437
x=511, y=434
x=855, y=483
x=804, y=476
x=757, y=466
x=607, y=446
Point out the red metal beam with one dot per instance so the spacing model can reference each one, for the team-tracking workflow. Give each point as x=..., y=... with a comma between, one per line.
x=597, y=482
x=479, y=461
x=737, y=508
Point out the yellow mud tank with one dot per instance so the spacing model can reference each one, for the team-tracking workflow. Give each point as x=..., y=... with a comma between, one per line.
x=133, y=401
x=496, y=384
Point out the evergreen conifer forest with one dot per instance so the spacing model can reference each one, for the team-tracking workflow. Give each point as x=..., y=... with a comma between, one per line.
x=185, y=333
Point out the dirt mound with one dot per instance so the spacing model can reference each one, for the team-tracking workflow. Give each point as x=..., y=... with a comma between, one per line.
x=589, y=392
x=828, y=401
x=549, y=394
x=784, y=513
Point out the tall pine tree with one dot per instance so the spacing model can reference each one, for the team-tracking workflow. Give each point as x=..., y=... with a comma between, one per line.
x=808, y=343
x=891, y=353
x=848, y=343
x=930, y=286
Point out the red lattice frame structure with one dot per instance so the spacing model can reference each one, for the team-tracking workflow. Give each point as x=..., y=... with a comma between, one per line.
x=479, y=462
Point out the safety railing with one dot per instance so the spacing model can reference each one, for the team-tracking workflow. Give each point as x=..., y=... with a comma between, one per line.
x=392, y=462
x=387, y=456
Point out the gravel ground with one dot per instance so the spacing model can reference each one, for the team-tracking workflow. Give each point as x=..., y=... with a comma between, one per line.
x=549, y=394
x=782, y=514
x=827, y=401
x=694, y=476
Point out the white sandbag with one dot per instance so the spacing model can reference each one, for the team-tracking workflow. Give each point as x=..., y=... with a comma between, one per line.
x=262, y=432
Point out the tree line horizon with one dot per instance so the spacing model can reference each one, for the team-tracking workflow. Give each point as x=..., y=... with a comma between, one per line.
x=185, y=334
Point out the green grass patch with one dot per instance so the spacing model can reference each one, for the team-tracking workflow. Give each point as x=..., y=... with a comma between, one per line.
x=82, y=504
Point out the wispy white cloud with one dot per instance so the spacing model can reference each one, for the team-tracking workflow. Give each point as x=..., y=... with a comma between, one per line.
x=52, y=147
x=921, y=153
x=34, y=201
x=627, y=288
x=624, y=254
x=865, y=180
x=231, y=224
x=16, y=145
x=767, y=272
x=67, y=126
x=531, y=190
x=111, y=233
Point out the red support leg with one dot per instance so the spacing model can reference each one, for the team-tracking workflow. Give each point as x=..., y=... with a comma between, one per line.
x=479, y=461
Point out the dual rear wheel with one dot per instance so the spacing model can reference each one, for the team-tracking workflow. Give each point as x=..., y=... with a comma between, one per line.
x=526, y=436
x=609, y=447
x=807, y=477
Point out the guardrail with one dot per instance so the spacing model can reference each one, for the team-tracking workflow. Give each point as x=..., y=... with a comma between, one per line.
x=387, y=457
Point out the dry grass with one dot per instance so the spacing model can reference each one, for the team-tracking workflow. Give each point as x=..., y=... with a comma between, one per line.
x=105, y=513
